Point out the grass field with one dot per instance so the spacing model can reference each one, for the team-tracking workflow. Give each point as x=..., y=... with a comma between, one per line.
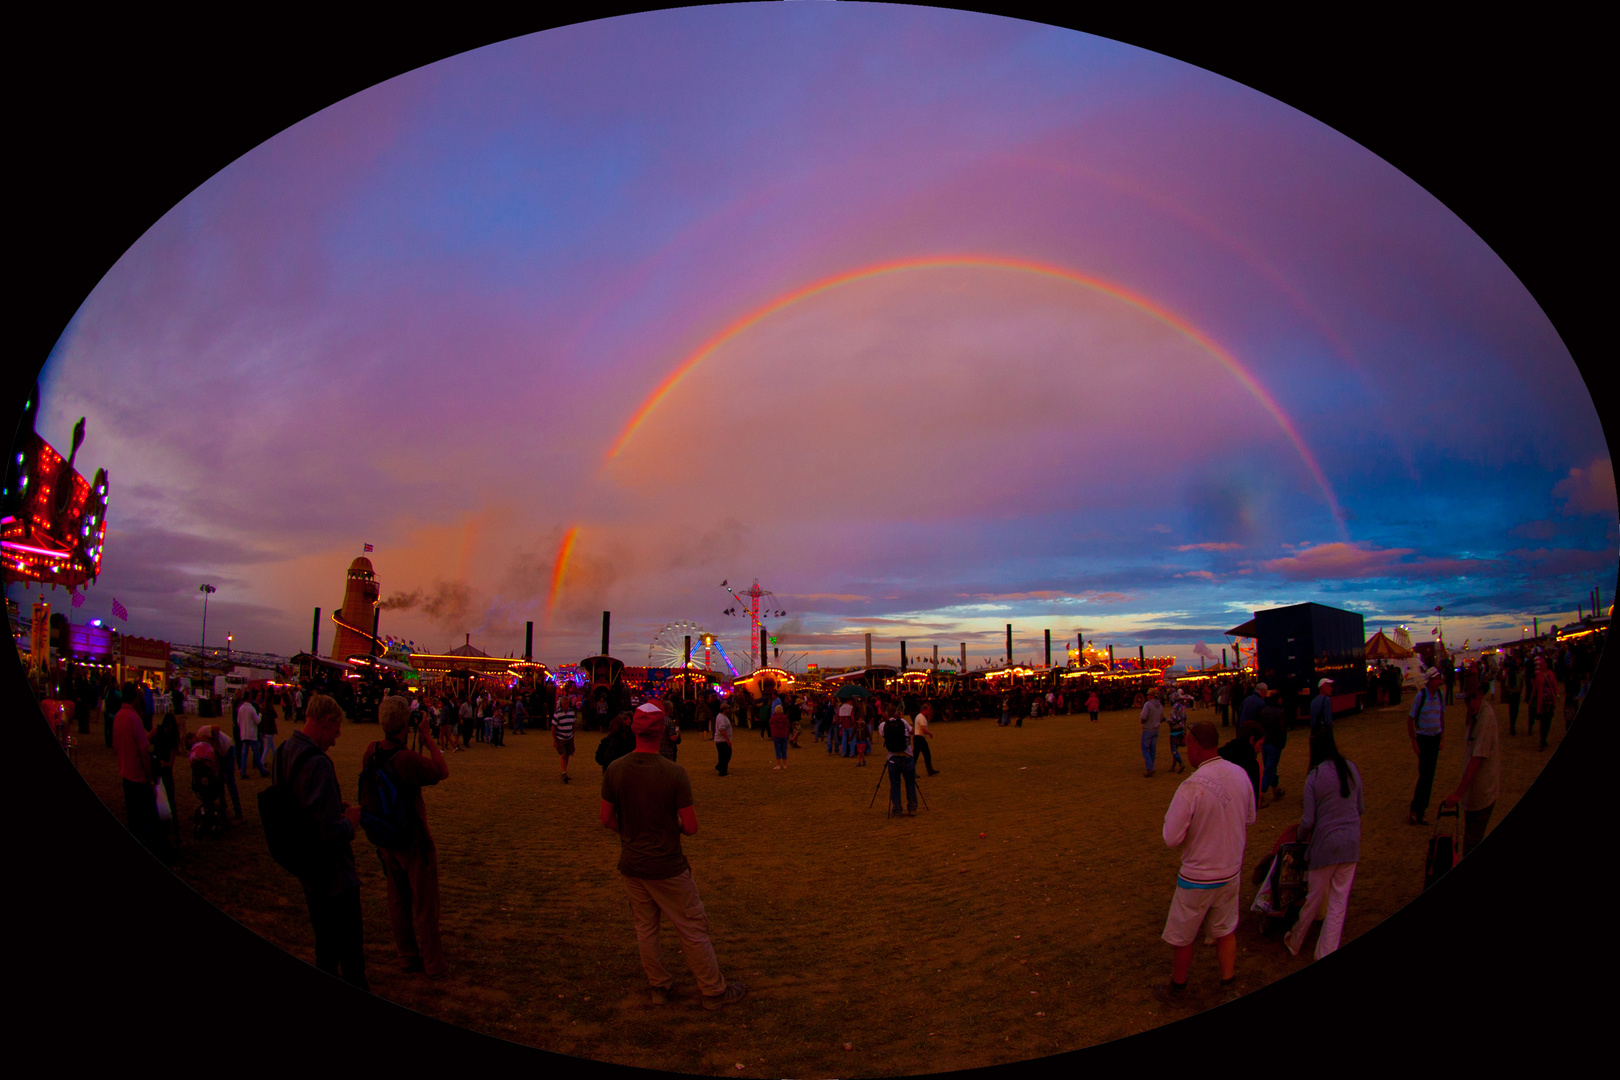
x=915, y=941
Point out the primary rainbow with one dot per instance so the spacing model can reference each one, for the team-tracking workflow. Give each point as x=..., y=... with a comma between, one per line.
x=1203, y=340
x=560, y=567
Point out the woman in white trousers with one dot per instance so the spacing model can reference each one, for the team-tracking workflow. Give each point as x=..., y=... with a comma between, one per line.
x=1331, y=826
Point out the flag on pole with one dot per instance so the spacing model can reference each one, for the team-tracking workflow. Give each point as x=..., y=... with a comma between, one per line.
x=368, y=547
x=78, y=598
x=119, y=610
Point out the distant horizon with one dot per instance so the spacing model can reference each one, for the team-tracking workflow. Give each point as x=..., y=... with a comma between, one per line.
x=1126, y=643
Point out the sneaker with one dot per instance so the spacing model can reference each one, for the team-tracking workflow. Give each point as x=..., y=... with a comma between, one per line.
x=1291, y=945
x=912, y=812
x=1229, y=990
x=735, y=992
x=1171, y=993
x=659, y=995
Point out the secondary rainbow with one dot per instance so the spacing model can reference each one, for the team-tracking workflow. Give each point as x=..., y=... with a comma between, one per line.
x=1169, y=318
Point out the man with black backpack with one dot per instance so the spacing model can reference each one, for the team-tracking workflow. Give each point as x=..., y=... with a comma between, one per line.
x=395, y=819
x=901, y=763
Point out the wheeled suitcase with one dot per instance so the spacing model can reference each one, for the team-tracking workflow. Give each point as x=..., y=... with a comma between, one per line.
x=1442, y=846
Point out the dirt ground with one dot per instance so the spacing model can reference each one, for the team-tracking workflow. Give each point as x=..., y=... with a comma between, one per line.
x=1018, y=915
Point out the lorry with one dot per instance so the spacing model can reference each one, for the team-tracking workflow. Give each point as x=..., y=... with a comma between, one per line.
x=1299, y=645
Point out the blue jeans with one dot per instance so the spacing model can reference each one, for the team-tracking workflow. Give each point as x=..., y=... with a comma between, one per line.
x=848, y=741
x=267, y=749
x=1150, y=740
x=1270, y=753
x=250, y=750
x=902, y=765
x=228, y=775
x=781, y=746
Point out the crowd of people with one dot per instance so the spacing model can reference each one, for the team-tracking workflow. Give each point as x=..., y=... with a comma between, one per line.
x=646, y=793
x=1213, y=808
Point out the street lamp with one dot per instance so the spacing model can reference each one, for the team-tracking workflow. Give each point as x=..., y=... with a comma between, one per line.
x=205, y=590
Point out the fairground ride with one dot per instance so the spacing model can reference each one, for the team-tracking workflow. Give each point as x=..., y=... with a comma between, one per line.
x=748, y=604
x=53, y=522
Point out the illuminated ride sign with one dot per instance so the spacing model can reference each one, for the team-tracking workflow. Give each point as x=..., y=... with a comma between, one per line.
x=53, y=522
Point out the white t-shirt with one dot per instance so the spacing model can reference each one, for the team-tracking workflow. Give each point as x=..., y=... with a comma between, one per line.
x=1211, y=814
x=846, y=709
x=722, y=728
x=247, y=722
x=920, y=727
x=1482, y=743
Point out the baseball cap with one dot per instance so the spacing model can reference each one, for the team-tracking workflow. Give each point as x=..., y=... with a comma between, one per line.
x=1431, y=673
x=1324, y=682
x=648, y=719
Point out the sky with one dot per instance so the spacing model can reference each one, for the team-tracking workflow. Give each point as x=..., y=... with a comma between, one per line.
x=929, y=321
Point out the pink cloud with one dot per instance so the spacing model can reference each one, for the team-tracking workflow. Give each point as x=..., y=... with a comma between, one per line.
x=1338, y=560
x=1209, y=547
x=1341, y=560
x=1205, y=574
x=1038, y=594
x=1588, y=491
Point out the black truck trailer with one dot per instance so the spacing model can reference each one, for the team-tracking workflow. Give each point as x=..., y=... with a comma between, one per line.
x=1298, y=646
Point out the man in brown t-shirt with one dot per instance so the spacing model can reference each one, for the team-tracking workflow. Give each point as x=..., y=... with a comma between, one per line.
x=647, y=800
x=412, y=872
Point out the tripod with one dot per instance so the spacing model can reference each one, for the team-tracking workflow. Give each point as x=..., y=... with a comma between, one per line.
x=884, y=775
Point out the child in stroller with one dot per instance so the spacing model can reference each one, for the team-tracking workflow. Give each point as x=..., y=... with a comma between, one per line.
x=209, y=819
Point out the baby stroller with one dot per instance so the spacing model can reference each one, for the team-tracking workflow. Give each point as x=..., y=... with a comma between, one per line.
x=1282, y=881
x=209, y=820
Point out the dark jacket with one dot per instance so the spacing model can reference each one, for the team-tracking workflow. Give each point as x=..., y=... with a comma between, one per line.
x=1251, y=707
x=614, y=746
x=1271, y=718
x=1239, y=752
x=315, y=786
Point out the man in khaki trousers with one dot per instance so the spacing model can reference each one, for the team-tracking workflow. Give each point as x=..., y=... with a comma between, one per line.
x=647, y=800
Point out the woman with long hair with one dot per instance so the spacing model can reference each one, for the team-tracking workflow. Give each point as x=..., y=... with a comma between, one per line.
x=1331, y=827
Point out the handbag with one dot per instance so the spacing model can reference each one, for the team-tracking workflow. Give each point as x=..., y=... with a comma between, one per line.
x=162, y=798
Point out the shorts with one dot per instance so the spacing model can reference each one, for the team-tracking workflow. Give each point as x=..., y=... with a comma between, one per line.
x=565, y=747
x=862, y=747
x=1188, y=909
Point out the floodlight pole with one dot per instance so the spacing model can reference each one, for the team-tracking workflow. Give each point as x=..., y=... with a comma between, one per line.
x=206, y=590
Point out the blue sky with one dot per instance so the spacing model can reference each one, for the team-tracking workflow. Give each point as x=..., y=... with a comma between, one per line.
x=420, y=319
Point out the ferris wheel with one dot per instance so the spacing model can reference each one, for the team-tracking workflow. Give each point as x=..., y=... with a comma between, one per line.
x=668, y=648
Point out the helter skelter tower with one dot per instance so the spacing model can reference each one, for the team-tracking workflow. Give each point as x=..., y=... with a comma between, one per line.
x=749, y=602
x=357, y=618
